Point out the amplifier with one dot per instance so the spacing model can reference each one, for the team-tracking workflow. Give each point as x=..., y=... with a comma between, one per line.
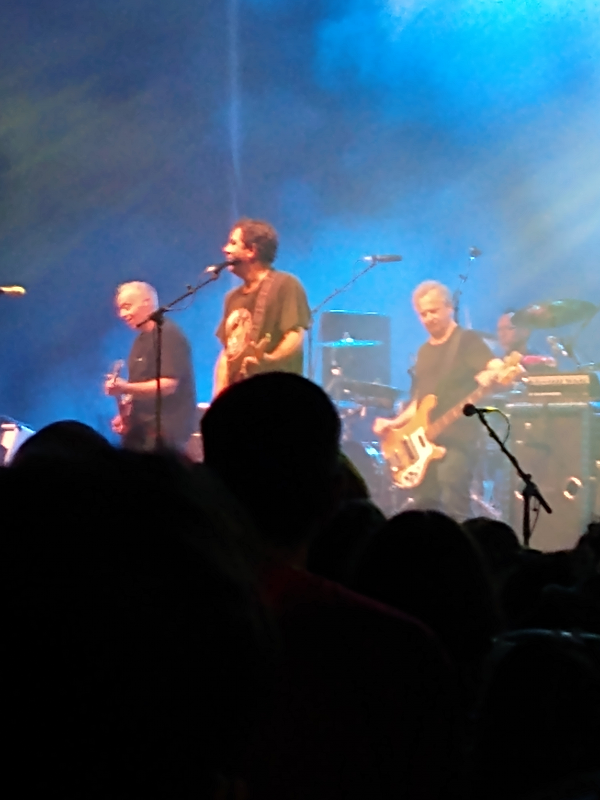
x=569, y=385
x=558, y=444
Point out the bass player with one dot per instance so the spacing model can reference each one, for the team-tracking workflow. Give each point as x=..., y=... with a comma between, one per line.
x=264, y=319
x=450, y=365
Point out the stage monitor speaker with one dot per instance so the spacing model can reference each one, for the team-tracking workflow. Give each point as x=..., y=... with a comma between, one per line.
x=358, y=363
x=556, y=443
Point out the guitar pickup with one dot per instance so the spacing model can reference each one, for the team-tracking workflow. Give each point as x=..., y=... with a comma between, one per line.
x=410, y=452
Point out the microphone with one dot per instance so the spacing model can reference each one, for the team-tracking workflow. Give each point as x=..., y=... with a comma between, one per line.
x=13, y=291
x=381, y=259
x=470, y=410
x=217, y=269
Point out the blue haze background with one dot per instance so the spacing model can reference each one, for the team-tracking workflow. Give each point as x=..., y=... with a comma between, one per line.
x=133, y=132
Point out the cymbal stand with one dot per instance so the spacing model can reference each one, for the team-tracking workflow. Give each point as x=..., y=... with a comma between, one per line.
x=314, y=311
x=474, y=253
x=530, y=490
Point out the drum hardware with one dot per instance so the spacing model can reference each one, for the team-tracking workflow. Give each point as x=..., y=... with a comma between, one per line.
x=373, y=395
x=555, y=314
x=348, y=341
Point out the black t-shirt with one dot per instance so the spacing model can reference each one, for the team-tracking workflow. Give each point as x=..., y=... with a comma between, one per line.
x=451, y=385
x=179, y=408
x=286, y=309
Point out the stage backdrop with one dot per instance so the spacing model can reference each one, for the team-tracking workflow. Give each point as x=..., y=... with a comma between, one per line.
x=133, y=132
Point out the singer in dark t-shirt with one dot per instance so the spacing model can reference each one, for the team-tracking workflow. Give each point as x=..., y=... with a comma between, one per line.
x=264, y=319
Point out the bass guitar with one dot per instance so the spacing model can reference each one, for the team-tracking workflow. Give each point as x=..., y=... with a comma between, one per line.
x=410, y=448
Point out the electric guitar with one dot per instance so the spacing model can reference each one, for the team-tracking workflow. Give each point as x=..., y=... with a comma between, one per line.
x=411, y=447
x=237, y=368
x=123, y=400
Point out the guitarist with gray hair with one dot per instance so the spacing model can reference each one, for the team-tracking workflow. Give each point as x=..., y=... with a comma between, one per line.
x=135, y=421
x=430, y=446
x=264, y=319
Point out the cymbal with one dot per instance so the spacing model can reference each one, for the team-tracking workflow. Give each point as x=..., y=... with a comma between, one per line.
x=370, y=394
x=554, y=314
x=350, y=342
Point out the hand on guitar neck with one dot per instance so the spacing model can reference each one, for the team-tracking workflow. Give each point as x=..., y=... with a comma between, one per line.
x=120, y=423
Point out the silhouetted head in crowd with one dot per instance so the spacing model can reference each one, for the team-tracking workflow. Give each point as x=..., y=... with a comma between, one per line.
x=273, y=439
x=336, y=552
x=425, y=564
x=136, y=652
x=497, y=541
x=540, y=717
x=352, y=483
x=522, y=592
x=66, y=438
x=590, y=542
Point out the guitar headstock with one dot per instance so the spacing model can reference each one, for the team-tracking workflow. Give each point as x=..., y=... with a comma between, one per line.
x=118, y=367
x=511, y=369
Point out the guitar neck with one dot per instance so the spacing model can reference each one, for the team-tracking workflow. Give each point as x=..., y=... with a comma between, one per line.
x=454, y=413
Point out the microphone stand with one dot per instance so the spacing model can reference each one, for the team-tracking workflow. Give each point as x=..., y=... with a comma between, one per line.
x=158, y=317
x=530, y=489
x=317, y=308
x=474, y=253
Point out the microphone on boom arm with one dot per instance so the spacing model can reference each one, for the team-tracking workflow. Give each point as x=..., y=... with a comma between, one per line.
x=217, y=269
x=12, y=291
x=381, y=259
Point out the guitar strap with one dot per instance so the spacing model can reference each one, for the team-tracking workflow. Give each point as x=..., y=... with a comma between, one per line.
x=258, y=317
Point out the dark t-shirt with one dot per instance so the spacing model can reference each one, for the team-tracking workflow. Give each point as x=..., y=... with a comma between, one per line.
x=453, y=385
x=179, y=408
x=286, y=309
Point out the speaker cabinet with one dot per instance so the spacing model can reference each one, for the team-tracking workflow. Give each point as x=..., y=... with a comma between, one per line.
x=368, y=363
x=556, y=443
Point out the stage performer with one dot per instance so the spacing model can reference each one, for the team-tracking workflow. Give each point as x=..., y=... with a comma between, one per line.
x=136, y=396
x=449, y=365
x=264, y=319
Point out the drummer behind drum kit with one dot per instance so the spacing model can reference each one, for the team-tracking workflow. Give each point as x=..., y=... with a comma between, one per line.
x=538, y=404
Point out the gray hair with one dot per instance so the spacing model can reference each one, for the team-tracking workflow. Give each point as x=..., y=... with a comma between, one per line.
x=432, y=286
x=142, y=288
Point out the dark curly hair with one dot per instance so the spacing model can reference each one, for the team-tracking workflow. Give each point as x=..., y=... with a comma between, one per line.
x=261, y=235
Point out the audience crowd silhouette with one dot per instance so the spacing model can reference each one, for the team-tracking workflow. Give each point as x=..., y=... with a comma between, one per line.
x=254, y=627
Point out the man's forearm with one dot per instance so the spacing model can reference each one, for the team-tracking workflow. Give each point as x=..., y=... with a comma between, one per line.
x=290, y=344
x=145, y=389
x=220, y=378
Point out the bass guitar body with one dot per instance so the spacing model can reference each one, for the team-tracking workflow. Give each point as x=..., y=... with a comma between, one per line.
x=407, y=449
